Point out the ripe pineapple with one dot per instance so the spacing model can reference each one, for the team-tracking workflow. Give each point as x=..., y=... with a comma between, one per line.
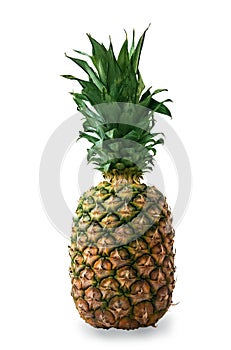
x=122, y=260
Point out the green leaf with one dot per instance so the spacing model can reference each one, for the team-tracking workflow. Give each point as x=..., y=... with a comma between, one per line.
x=159, y=141
x=90, y=90
x=98, y=50
x=132, y=135
x=85, y=66
x=111, y=134
x=140, y=87
x=133, y=44
x=71, y=77
x=135, y=58
x=82, y=53
x=146, y=94
x=88, y=137
x=91, y=124
x=158, y=90
x=88, y=128
x=99, y=58
x=146, y=101
x=100, y=132
x=123, y=58
x=102, y=68
x=83, y=83
x=114, y=76
x=160, y=107
x=77, y=95
x=89, y=113
x=152, y=149
x=146, y=138
x=128, y=88
x=79, y=100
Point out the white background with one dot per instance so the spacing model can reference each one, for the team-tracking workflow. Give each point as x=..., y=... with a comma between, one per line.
x=187, y=50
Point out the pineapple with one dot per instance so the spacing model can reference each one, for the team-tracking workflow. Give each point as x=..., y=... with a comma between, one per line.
x=122, y=260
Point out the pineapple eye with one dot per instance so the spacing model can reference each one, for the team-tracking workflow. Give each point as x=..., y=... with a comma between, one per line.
x=90, y=200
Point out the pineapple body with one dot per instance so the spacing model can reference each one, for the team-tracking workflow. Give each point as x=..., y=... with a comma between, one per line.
x=122, y=260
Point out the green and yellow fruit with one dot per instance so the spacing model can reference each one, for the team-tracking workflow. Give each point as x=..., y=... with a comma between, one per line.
x=122, y=260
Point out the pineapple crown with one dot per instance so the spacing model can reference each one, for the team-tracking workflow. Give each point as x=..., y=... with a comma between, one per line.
x=118, y=111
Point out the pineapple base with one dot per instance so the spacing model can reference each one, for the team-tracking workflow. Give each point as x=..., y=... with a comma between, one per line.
x=122, y=260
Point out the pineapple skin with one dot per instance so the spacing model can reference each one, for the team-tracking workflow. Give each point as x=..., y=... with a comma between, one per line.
x=122, y=259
